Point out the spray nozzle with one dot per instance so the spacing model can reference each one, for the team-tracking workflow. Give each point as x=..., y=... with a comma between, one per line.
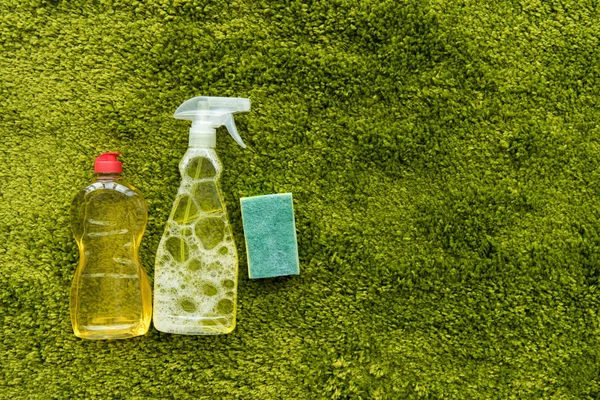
x=207, y=114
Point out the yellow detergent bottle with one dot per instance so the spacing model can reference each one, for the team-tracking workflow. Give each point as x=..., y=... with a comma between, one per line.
x=111, y=296
x=196, y=269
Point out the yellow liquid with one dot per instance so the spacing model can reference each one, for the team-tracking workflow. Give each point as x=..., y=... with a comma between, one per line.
x=111, y=296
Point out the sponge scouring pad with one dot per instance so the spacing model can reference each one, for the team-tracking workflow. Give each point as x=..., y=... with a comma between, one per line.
x=270, y=232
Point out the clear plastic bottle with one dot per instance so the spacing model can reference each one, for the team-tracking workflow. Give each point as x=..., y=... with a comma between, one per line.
x=196, y=269
x=111, y=297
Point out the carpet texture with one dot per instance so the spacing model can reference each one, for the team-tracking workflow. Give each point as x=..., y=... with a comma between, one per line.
x=444, y=160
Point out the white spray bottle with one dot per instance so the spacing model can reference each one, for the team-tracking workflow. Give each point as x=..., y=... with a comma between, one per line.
x=196, y=269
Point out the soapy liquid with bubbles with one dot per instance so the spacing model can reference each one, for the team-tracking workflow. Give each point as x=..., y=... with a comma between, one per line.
x=195, y=281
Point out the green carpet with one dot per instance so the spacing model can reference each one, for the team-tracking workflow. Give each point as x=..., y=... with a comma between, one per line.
x=444, y=158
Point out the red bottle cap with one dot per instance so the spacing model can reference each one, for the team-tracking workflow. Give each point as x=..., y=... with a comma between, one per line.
x=107, y=163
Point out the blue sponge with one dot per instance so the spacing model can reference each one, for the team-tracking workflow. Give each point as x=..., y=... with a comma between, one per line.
x=270, y=233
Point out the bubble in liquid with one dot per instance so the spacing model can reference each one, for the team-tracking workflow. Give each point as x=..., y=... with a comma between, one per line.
x=207, y=197
x=178, y=248
x=214, y=268
x=200, y=167
x=210, y=231
x=228, y=284
x=187, y=305
x=214, y=321
x=185, y=210
x=209, y=290
x=194, y=264
x=208, y=322
x=225, y=306
x=223, y=250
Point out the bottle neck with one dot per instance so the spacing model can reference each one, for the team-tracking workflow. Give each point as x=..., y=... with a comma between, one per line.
x=107, y=177
x=203, y=139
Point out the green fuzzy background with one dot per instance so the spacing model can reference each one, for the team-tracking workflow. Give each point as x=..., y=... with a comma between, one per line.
x=444, y=158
